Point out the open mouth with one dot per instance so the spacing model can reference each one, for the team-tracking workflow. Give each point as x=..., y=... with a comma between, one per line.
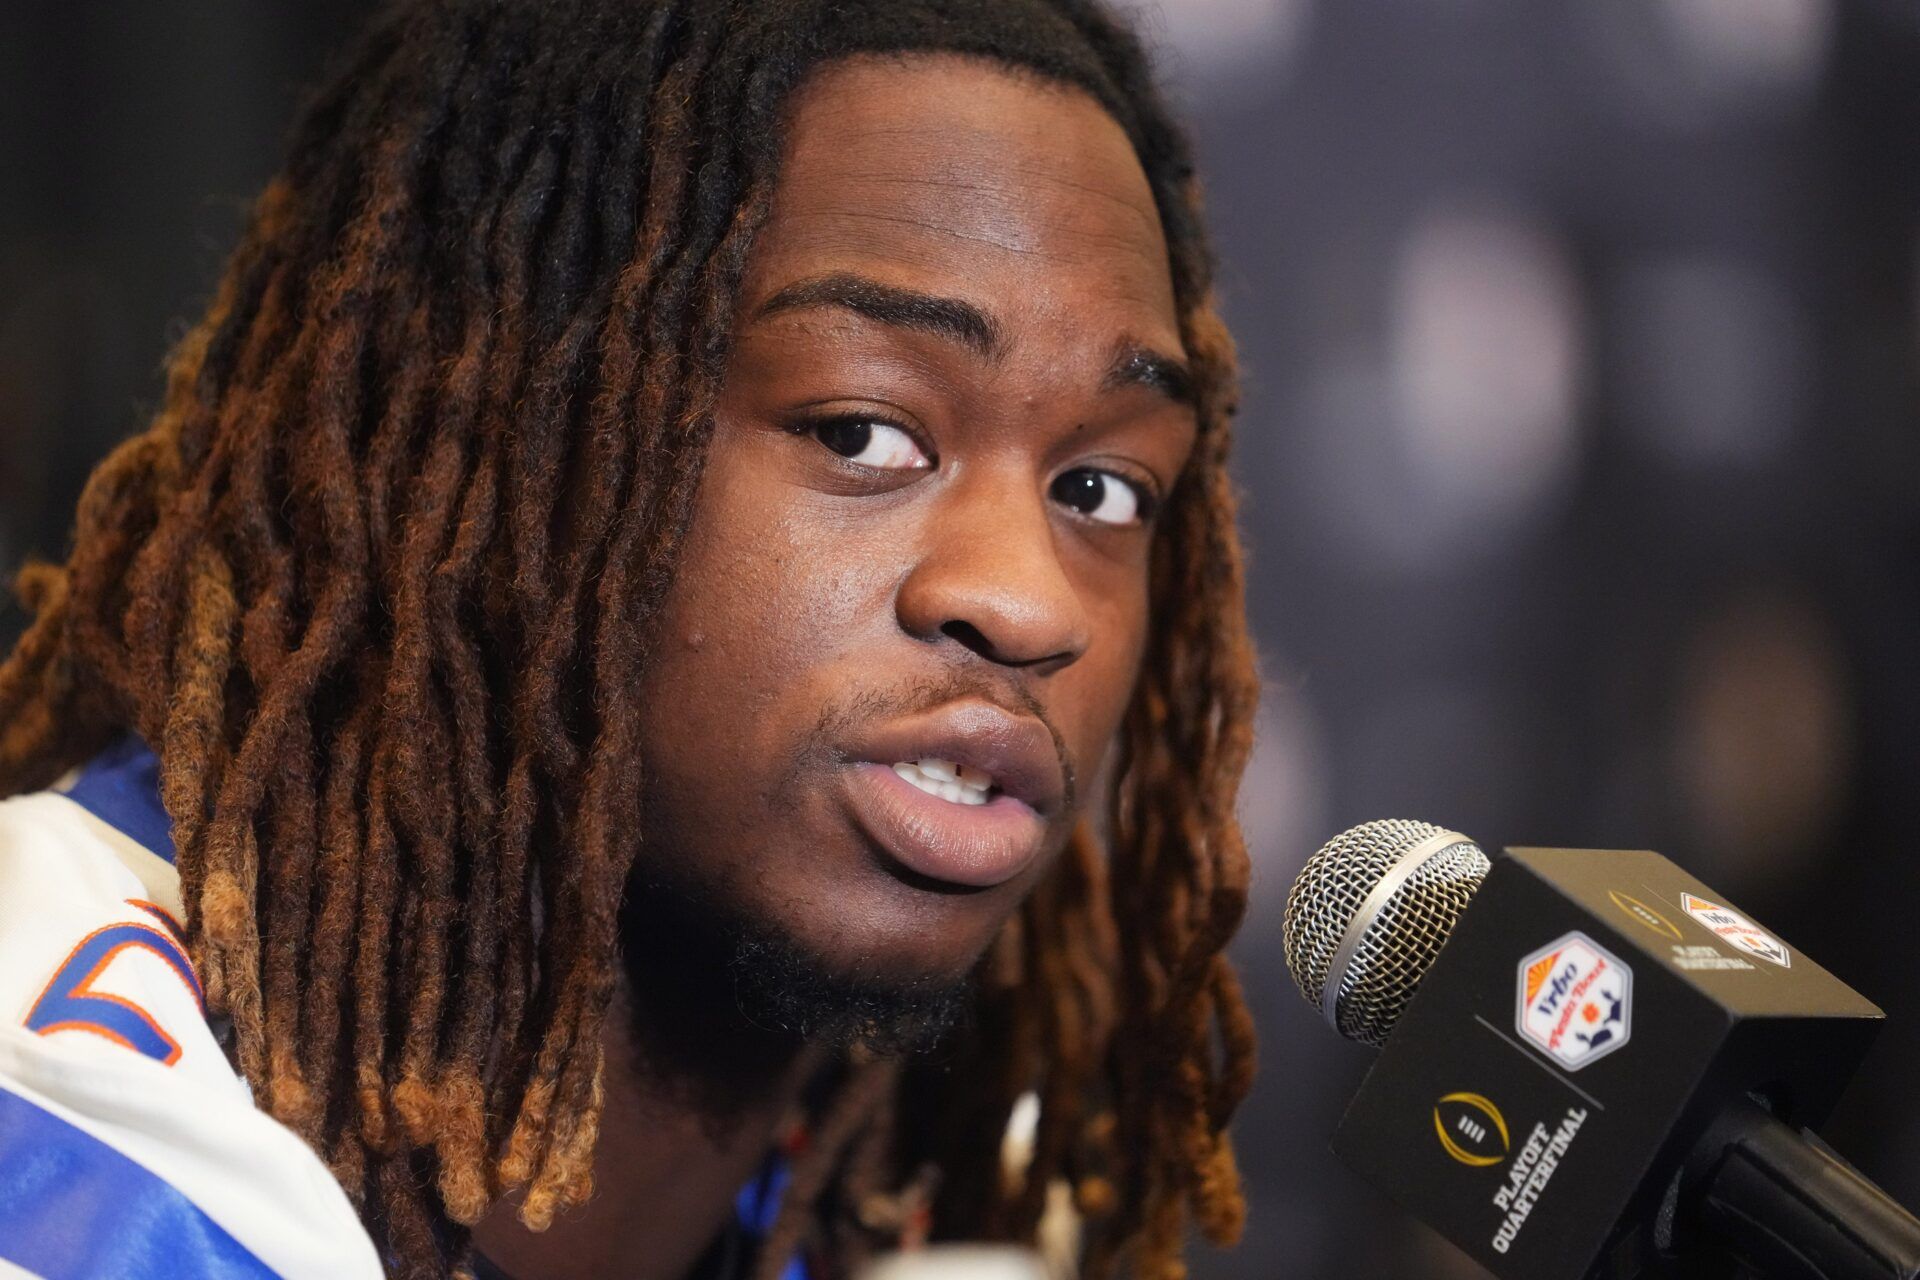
x=965, y=833
x=964, y=794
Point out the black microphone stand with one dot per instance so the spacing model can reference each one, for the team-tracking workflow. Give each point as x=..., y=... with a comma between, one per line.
x=1787, y=1207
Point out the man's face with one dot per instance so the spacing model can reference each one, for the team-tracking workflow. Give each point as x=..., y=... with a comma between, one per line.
x=956, y=393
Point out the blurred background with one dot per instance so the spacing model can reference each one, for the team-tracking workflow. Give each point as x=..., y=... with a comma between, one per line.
x=1579, y=451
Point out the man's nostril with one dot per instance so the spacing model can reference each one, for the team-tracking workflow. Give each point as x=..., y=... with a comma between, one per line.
x=969, y=635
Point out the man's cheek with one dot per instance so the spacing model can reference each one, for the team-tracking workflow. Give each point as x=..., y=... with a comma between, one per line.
x=830, y=603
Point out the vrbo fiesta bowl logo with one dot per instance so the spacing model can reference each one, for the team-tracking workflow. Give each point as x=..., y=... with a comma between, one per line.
x=1575, y=1001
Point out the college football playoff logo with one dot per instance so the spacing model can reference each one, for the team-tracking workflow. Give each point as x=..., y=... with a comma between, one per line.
x=1471, y=1130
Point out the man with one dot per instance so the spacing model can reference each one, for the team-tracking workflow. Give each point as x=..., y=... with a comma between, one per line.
x=712, y=514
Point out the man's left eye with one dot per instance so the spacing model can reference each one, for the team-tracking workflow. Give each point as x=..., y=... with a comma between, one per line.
x=872, y=443
x=1102, y=495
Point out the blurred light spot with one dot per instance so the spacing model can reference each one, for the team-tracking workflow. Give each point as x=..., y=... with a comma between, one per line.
x=1762, y=748
x=1713, y=361
x=1222, y=43
x=1484, y=349
x=1460, y=429
x=1016, y=1145
x=1744, y=45
x=1283, y=797
x=1696, y=63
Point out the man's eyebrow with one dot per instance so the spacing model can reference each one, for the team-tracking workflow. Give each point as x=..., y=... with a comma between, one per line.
x=888, y=304
x=1135, y=365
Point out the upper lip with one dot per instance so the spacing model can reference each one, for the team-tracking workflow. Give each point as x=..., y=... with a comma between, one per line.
x=1017, y=750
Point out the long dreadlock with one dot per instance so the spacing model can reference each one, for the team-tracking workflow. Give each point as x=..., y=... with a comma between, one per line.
x=412, y=497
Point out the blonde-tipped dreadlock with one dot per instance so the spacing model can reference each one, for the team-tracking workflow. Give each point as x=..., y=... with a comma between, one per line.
x=496, y=279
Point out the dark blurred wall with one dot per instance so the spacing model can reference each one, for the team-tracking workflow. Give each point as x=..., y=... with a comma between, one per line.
x=133, y=136
x=1579, y=461
x=1582, y=346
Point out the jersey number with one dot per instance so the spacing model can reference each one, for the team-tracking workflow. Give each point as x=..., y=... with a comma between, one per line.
x=70, y=1004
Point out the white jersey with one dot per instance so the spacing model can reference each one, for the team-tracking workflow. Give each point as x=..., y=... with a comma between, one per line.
x=129, y=1148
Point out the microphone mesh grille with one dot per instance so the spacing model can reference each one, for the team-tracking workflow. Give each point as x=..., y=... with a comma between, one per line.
x=1403, y=938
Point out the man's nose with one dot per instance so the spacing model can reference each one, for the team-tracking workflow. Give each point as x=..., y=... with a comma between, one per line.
x=990, y=577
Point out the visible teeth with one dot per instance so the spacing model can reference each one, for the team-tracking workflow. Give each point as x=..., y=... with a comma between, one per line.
x=948, y=780
x=948, y=771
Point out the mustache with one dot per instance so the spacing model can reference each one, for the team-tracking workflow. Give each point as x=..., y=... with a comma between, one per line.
x=913, y=697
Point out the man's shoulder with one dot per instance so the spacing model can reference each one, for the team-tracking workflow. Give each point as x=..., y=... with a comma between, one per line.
x=123, y=1128
x=90, y=939
x=52, y=846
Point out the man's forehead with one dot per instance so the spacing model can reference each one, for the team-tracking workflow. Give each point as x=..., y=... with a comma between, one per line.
x=966, y=177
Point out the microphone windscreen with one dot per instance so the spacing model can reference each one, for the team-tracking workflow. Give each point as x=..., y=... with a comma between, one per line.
x=1368, y=915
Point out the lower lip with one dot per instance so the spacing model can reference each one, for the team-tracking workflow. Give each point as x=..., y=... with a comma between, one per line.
x=977, y=845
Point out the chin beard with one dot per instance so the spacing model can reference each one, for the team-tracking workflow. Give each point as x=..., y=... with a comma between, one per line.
x=711, y=959
x=780, y=985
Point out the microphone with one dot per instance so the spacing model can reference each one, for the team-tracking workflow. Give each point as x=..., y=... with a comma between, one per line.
x=960, y=1262
x=1592, y=1066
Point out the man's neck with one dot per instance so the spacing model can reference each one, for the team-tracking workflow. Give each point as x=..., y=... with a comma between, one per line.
x=694, y=1101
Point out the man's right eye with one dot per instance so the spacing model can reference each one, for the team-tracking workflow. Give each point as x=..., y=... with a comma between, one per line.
x=871, y=443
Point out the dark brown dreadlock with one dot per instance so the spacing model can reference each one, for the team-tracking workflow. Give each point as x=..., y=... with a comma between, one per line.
x=413, y=495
